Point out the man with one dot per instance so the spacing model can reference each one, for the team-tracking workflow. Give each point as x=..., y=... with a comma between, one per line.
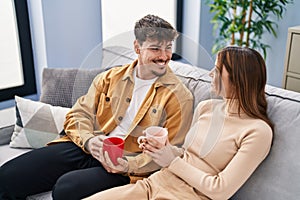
x=122, y=102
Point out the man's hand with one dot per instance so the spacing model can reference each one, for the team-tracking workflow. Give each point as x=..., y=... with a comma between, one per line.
x=95, y=147
x=110, y=167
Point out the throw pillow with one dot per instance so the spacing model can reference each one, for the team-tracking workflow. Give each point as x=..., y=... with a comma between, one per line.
x=62, y=87
x=37, y=123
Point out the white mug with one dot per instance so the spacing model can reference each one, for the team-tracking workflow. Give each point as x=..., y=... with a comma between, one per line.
x=158, y=133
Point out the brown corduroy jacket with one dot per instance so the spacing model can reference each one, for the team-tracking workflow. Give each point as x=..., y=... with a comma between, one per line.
x=168, y=103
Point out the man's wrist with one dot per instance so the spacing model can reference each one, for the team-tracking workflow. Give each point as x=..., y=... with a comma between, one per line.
x=86, y=145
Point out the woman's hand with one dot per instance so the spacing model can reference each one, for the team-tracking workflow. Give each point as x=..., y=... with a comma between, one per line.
x=163, y=155
x=150, y=144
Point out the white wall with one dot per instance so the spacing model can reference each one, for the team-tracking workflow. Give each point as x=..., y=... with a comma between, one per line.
x=63, y=32
x=72, y=30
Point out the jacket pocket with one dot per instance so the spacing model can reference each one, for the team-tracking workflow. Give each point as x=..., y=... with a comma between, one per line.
x=157, y=114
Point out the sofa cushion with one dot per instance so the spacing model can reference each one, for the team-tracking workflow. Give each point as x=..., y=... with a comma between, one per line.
x=62, y=87
x=279, y=174
x=5, y=134
x=7, y=153
x=197, y=80
x=37, y=123
x=114, y=56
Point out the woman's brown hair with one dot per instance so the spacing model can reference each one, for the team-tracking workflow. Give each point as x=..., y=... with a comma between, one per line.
x=247, y=73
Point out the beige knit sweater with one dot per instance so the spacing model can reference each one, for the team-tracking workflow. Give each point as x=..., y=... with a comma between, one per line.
x=222, y=150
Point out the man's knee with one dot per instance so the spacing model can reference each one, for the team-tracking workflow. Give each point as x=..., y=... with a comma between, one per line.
x=64, y=188
x=68, y=187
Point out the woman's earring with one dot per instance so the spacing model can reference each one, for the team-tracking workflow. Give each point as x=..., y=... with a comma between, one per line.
x=137, y=50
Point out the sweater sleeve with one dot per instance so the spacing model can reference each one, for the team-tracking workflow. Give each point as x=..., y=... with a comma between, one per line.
x=254, y=148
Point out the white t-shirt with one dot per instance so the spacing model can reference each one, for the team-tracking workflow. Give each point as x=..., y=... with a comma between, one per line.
x=140, y=90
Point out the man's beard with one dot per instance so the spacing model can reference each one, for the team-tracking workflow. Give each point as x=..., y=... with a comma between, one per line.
x=159, y=74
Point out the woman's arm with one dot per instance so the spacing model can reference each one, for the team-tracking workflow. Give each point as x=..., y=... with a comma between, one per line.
x=253, y=150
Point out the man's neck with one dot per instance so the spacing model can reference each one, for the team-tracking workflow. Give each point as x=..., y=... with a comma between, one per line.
x=142, y=74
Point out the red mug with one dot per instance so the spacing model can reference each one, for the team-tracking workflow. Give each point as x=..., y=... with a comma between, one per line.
x=114, y=147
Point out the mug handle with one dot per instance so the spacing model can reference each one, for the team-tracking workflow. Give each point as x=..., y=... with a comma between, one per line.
x=141, y=138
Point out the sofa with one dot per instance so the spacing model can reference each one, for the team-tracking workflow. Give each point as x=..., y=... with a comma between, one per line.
x=278, y=176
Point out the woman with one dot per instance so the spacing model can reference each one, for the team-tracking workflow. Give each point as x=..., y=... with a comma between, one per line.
x=228, y=138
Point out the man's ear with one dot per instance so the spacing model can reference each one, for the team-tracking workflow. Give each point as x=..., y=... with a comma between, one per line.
x=136, y=47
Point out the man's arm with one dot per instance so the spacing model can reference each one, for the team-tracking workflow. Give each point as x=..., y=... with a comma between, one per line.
x=80, y=121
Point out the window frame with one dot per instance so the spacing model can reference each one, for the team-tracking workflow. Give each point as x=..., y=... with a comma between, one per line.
x=179, y=24
x=23, y=27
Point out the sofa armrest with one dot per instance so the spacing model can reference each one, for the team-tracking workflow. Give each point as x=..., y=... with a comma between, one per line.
x=6, y=133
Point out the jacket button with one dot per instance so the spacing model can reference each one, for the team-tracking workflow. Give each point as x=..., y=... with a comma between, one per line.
x=107, y=99
x=154, y=110
x=120, y=118
x=128, y=100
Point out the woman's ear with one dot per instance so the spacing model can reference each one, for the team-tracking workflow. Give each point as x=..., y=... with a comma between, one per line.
x=136, y=47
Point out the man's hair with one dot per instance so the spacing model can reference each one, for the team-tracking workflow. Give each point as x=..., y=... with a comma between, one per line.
x=154, y=28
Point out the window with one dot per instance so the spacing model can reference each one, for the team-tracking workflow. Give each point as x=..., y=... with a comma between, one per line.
x=17, y=75
x=119, y=17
